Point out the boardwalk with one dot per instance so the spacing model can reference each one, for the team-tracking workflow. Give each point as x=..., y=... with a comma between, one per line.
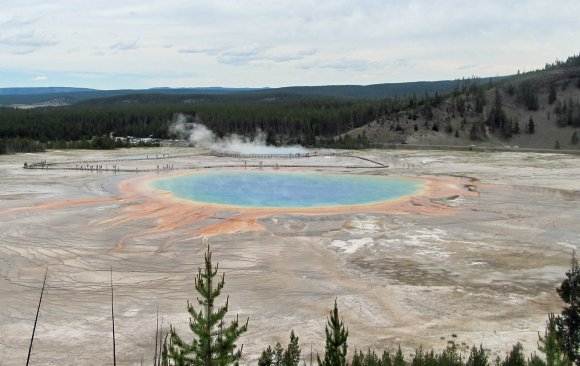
x=149, y=163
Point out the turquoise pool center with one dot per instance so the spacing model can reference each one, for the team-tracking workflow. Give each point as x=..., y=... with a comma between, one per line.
x=287, y=190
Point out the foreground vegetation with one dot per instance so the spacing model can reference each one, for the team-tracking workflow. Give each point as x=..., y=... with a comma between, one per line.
x=215, y=343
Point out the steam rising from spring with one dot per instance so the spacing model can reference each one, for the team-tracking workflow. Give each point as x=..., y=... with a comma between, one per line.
x=199, y=135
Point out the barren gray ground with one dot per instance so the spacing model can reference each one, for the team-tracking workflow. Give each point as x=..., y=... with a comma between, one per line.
x=486, y=273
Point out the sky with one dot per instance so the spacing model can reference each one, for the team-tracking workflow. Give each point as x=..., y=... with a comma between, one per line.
x=272, y=43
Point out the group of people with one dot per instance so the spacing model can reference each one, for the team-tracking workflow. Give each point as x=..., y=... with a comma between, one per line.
x=42, y=164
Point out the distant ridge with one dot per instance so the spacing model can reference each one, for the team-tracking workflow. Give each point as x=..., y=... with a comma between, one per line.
x=41, y=90
x=204, y=89
x=29, y=96
x=373, y=91
x=32, y=96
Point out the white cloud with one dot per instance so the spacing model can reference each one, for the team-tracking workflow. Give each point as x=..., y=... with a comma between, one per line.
x=27, y=39
x=211, y=51
x=17, y=21
x=125, y=46
x=40, y=78
x=276, y=43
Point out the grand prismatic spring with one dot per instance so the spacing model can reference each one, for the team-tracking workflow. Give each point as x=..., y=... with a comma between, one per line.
x=473, y=245
x=292, y=190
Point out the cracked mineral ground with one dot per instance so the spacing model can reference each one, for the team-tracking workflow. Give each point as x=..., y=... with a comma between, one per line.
x=474, y=259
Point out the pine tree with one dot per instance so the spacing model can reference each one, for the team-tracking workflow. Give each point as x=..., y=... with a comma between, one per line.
x=479, y=100
x=271, y=138
x=515, y=357
x=529, y=96
x=473, y=135
x=451, y=357
x=561, y=111
x=267, y=357
x=418, y=358
x=535, y=360
x=280, y=356
x=551, y=344
x=516, y=126
x=272, y=357
x=507, y=129
x=569, y=324
x=477, y=357
x=497, y=116
x=511, y=90
x=531, y=125
x=399, y=360
x=214, y=342
x=557, y=145
x=292, y=353
x=438, y=99
x=357, y=358
x=368, y=359
x=574, y=140
x=552, y=94
x=386, y=359
x=336, y=337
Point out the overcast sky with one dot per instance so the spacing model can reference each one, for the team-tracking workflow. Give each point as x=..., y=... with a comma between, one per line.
x=254, y=43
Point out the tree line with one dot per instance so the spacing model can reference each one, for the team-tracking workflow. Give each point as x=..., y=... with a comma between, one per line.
x=307, y=120
x=215, y=342
x=299, y=121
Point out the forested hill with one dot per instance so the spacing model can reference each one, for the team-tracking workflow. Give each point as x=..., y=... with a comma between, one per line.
x=288, y=118
x=40, y=96
x=291, y=118
x=375, y=91
x=539, y=109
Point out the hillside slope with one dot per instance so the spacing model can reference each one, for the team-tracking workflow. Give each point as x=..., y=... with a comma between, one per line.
x=491, y=114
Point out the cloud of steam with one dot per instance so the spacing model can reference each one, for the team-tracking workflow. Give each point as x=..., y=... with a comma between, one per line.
x=192, y=130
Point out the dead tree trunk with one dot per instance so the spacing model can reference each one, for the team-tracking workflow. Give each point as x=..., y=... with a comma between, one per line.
x=113, y=319
x=36, y=319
